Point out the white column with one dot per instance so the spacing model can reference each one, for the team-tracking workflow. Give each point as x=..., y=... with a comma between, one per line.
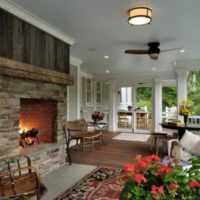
x=134, y=117
x=78, y=92
x=112, y=106
x=181, y=86
x=76, y=62
x=157, y=105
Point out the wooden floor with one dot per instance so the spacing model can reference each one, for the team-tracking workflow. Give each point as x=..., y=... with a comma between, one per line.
x=113, y=153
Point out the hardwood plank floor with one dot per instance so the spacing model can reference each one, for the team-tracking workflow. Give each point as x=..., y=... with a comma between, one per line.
x=113, y=153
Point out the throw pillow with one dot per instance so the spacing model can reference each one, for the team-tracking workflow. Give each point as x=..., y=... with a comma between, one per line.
x=189, y=146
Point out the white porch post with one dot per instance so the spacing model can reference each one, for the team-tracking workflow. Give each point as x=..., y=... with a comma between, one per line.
x=112, y=106
x=181, y=86
x=134, y=115
x=157, y=105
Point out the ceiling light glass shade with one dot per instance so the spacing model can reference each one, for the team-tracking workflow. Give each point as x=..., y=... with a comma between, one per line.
x=140, y=16
x=154, y=56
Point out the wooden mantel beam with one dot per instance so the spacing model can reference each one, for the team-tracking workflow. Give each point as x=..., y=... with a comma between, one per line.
x=23, y=70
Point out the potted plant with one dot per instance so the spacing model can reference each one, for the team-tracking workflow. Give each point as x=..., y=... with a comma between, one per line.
x=185, y=109
x=97, y=116
x=129, y=108
x=149, y=179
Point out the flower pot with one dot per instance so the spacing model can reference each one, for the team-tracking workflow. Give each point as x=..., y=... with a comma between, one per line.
x=129, y=108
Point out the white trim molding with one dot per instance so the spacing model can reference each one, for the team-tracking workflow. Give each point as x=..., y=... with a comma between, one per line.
x=75, y=61
x=27, y=16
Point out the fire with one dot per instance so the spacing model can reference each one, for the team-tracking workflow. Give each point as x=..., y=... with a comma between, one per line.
x=22, y=129
x=27, y=136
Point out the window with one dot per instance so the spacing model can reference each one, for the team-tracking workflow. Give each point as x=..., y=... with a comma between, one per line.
x=99, y=93
x=89, y=92
x=193, y=89
x=126, y=96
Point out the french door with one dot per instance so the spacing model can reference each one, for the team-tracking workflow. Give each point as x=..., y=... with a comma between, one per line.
x=142, y=101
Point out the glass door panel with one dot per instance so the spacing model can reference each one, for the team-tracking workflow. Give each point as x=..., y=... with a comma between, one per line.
x=143, y=108
x=124, y=110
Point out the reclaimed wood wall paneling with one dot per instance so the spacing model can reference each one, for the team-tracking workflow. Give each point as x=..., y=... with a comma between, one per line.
x=23, y=42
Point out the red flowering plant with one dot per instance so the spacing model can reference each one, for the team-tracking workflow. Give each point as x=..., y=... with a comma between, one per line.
x=150, y=179
x=97, y=116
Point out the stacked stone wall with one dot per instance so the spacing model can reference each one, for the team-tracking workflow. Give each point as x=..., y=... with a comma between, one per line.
x=12, y=89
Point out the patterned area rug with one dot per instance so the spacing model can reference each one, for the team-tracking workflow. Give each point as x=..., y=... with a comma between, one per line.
x=101, y=184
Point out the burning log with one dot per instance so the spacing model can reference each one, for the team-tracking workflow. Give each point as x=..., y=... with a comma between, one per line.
x=30, y=133
x=28, y=137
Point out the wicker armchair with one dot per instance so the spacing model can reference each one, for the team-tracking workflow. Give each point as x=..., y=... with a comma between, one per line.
x=19, y=180
x=78, y=130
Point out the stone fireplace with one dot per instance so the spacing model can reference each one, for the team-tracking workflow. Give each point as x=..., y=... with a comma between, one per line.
x=34, y=75
x=32, y=103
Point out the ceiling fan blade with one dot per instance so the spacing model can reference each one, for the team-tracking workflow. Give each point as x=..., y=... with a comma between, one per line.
x=170, y=49
x=136, y=51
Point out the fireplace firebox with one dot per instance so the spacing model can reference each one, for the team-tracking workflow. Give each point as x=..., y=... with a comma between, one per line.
x=37, y=121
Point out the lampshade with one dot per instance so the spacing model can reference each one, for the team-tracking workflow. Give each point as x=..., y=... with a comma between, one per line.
x=140, y=16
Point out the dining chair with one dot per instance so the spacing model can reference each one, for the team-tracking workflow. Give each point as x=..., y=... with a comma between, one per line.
x=123, y=120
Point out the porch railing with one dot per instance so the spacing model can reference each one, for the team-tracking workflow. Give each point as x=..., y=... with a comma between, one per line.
x=193, y=121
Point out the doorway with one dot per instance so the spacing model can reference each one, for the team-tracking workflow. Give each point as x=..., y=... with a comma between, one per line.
x=124, y=111
x=143, y=108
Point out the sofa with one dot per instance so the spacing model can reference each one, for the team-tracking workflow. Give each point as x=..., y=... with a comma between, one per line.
x=186, y=149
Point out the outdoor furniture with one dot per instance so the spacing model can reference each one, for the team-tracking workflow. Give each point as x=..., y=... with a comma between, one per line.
x=78, y=130
x=19, y=180
x=187, y=148
x=98, y=126
x=181, y=129
x=165, y=140
x=142, y=119
x=123, y=120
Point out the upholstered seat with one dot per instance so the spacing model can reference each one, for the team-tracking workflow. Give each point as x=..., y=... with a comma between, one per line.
x=187, y=148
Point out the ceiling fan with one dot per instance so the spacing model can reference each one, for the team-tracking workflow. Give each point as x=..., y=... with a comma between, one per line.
x=153, y=50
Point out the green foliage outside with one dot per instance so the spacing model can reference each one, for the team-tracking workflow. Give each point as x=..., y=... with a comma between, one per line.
x=144, y=94
x=168, y=97
x=144, y=97
x=194, y=91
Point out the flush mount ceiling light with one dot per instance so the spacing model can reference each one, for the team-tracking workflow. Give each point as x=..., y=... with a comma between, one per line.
x=140, y=16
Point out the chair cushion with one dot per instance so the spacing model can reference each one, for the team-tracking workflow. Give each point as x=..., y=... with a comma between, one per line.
x=184, y=164
x=188, y=147
x=90, y=135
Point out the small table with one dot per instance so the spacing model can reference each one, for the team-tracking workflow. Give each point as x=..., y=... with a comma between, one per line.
x=180, y=129
x=99, y=126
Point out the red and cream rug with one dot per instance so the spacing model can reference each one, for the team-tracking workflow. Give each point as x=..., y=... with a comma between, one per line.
x=100, y=184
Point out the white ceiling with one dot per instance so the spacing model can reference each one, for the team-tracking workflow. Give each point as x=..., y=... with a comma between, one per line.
x=100, y=28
